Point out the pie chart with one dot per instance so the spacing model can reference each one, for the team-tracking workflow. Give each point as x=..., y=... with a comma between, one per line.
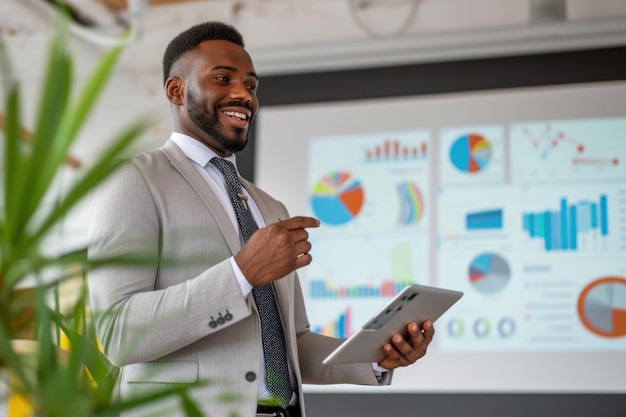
x=337, y=198
x=489, y=273
x=470, y=153
x=602, y=307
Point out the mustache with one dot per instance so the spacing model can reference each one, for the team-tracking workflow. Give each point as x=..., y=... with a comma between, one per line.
x=245, y=104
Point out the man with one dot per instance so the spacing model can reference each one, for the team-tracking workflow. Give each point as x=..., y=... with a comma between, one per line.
x=195, y=314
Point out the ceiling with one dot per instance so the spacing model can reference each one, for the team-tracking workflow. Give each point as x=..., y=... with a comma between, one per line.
x=286, y=36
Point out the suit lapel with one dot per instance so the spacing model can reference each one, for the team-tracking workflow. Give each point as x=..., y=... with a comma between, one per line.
x=180, y=162
x=268, y=212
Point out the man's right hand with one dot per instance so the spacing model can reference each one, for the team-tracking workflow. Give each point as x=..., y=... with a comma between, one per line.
x=276, y=250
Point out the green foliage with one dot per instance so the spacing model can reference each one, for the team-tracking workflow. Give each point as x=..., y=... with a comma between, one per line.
x=77, y=381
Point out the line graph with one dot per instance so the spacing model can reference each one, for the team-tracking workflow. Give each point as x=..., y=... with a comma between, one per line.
x=568, y=149
x=549, y=138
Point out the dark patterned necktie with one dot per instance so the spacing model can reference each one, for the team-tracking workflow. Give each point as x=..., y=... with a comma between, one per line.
x=277, y=372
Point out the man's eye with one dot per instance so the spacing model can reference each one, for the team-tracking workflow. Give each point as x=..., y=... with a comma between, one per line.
x=252, y=87
x=221, y=78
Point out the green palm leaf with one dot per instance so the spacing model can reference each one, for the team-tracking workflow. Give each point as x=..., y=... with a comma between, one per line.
x=81, y=381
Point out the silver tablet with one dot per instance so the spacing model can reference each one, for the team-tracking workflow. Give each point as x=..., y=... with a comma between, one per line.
x=414, y=303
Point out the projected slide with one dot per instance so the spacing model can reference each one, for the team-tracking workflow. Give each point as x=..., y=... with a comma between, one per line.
x=370, y=183
x=515, y=197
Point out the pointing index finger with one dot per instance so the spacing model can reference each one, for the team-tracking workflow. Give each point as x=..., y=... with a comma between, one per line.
x=300, y=222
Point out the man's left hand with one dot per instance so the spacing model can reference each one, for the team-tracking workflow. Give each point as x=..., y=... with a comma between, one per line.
x=401, y=352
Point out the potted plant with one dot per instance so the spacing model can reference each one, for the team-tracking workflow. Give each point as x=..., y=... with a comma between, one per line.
x=49, y=356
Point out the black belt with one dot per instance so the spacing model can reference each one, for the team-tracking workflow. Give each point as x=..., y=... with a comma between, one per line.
x=291, y=411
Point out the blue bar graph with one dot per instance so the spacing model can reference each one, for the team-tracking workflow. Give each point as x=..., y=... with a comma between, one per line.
x=604, y=221
x=561, y=229
x=337, y=328
x=480, y=220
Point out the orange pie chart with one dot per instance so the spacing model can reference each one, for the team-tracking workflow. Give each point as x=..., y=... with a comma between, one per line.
x=602, y=307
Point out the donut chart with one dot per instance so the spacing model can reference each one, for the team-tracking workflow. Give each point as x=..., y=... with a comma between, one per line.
x=337, y=198
x=489, y=273
x=602, y=307
x=471, y=153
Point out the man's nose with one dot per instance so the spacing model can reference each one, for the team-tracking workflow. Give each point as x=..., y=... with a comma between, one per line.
x=241, y=92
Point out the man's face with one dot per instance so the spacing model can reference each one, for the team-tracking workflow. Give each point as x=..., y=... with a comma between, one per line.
x=221, y=96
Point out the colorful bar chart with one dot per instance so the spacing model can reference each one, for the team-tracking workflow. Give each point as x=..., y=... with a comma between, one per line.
x=337, y=328
x=486, y=219
x=325, y=289
x=393, y=150
x=560, y=229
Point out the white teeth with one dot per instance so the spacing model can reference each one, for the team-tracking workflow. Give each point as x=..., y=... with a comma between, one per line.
x=236, y=114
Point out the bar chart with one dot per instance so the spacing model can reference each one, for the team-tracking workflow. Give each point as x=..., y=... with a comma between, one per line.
x=484, y=219
x=341, y=327
x=394, y=150
x=561, y=229
x=326, y=289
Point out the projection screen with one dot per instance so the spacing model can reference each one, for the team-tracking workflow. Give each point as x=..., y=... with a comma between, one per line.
x=515, y=197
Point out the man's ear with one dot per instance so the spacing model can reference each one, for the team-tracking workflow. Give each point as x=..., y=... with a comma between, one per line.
x=175, y=90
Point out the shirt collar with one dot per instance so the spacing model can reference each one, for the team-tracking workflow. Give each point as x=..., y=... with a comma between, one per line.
x=196, y=151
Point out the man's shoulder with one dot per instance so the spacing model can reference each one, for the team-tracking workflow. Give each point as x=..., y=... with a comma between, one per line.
x=149, y=159
x=140, y=165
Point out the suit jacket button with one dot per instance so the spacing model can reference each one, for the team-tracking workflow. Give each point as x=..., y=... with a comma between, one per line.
x=250, y=376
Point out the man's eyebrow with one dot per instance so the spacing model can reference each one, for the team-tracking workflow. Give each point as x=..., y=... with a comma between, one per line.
x=232, y=69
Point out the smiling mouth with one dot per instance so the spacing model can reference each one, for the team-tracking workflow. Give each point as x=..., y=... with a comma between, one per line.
x=238, y=115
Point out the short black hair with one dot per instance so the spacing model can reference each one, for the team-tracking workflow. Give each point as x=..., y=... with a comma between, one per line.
x=195, y=35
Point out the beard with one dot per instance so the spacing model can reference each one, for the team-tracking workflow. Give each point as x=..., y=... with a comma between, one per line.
x=209, y=124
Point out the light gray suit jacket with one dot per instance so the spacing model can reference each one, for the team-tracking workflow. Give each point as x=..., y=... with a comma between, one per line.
x=154, y=321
